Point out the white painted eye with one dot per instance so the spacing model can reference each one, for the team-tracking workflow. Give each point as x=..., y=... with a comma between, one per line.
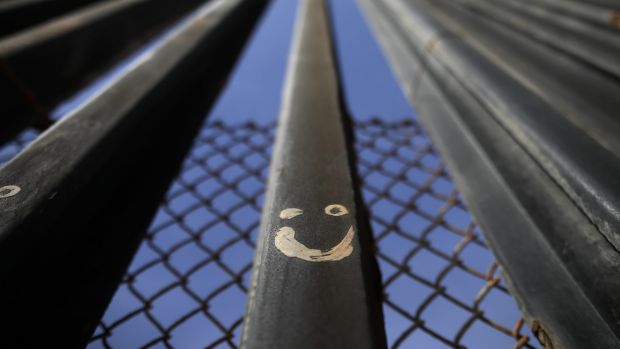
x=289, y=213
x=9, y=190
x=336, y=210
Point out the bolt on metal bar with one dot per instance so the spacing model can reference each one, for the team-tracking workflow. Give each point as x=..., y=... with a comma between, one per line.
x=312, y=287
x=560, y=266
x=45, y=64
x=77, y=199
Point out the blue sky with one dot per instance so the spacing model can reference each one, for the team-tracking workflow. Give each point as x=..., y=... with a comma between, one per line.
x=255, y=88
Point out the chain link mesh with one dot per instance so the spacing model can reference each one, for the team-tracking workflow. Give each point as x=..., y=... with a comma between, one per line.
x=442, y=287
x=12, y=148
x=186, y=286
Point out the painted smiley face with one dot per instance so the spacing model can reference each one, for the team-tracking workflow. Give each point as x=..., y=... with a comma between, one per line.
x=287, y=244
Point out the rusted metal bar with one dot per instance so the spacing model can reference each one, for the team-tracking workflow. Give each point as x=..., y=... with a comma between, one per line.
x=561, y=262
x=41, y=66
x=74, y=204
x=312, y=286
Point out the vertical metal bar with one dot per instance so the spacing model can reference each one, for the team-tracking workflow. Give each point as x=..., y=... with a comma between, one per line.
x=74, y=204
x=592, y=44
x=41, y=66
x=19, y=14
x=559, y=265
x=310, y=287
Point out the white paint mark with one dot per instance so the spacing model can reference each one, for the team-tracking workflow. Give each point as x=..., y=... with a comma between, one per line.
x=9, y=190
x=336, y=210
x=289, y=213
x=285, y=239
x=285, y=242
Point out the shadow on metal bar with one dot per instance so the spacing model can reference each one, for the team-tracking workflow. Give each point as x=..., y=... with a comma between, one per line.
x=482, y=109
x=87, y=186
x=41, y=66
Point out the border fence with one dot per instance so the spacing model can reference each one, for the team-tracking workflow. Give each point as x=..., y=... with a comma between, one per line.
x=129, y=222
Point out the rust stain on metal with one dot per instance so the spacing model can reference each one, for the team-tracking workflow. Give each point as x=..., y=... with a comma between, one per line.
x=615, y=19
x=521, y=343
x=542, y=335
x=23, y=89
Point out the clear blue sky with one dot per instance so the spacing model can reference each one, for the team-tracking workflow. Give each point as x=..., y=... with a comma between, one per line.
x=255, y=88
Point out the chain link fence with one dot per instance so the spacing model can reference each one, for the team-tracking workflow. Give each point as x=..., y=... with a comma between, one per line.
x=442, y=287
x=186, y=286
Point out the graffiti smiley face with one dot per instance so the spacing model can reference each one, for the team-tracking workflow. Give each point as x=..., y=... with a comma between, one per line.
x=287, y=244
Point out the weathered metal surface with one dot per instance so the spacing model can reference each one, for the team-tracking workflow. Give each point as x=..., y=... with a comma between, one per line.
x=17, y=15
x=313, y=284
x=597, y=46
x=571, y=132
x=597, y=12
x=86, y=186
x=560, y=266
x=47, y=63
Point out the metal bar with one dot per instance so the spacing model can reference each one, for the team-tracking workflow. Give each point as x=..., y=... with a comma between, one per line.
x=312, y=286
x=603, y=15
x=594, y=45
x=559, y=266
x=74, y=204
x=571, y=132
x=17, y=15
x=45, y=64
x=612, y=4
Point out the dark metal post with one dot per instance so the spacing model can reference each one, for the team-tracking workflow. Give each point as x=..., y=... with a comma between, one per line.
x=516, y=125
x=49, y=62
x=74, y=204
x=16, y=15
x=310, y=286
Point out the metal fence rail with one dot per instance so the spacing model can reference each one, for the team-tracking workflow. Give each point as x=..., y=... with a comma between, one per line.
x=19, y=14
x=314, y=240
x=186, y=285
x=82, y=191
x=42, y=65
x=528, y=129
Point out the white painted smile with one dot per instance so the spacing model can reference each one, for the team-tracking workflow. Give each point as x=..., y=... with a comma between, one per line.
x=287, y=244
